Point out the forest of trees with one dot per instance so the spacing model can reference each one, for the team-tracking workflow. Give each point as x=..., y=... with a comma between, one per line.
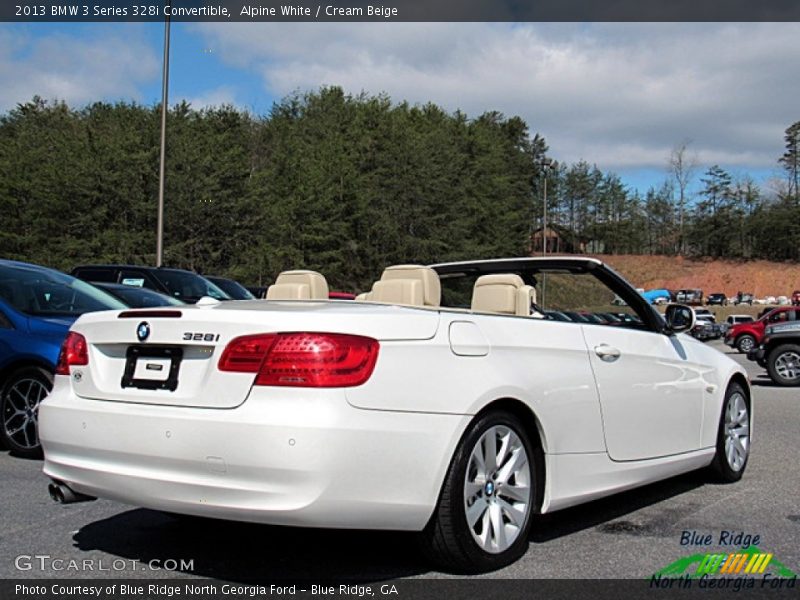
x=345, y=185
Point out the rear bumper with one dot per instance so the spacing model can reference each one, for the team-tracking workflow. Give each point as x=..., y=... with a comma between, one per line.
x=286, y=457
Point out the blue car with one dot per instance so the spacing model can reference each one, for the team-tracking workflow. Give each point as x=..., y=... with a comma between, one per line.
x=37, y=308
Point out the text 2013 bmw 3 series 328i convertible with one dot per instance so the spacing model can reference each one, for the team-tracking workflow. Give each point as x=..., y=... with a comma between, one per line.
x=444, y=400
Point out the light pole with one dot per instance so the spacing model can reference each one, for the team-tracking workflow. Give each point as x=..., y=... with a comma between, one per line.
x=161, y=167
x=546, y=164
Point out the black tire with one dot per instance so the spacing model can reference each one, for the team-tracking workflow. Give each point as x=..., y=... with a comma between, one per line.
x=782, y=358
x=721, y=468
x=745, y=343
x=447, y=540
x=24, y=389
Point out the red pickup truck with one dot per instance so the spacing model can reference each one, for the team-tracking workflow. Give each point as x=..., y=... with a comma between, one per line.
x=746, y=336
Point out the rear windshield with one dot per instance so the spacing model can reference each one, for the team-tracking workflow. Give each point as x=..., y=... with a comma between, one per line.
x=50, y=293
x=188, y=286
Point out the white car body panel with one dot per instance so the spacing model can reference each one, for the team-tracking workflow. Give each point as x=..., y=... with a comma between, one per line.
x=375, y=455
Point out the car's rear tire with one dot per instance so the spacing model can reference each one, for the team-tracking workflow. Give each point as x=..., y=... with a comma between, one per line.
x=783, y=364
x=21, y=395
x=733, y=436
x=745, y=343
x=483, y=517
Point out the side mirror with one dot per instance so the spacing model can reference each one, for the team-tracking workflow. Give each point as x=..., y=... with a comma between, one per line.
x=679, y=318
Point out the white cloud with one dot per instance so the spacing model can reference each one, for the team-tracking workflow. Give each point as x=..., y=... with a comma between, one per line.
x=74, y=68
x=218, y=96
x=620, y=95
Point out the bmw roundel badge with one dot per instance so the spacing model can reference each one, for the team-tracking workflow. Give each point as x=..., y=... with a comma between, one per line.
x=143, y=331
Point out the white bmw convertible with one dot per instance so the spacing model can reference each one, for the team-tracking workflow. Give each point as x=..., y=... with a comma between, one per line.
x=457, y=400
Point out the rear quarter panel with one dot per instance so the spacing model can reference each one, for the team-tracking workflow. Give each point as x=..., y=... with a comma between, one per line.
x=544, y=364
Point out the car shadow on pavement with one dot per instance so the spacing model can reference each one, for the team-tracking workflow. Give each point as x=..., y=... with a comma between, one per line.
x=763, y=380
x=604, y=514
x=242, y=552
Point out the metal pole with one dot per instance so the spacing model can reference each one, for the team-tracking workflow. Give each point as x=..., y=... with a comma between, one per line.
x=546, y=167
x=544, y=216
x=161, y=168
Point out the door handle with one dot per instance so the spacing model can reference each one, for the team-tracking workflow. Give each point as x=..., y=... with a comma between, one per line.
x=607, y=353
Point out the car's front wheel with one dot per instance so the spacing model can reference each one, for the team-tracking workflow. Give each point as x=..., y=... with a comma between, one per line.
x=783, y=364
x=733, y=436
x=745, y=343
x=483, y=517
x=22, y=393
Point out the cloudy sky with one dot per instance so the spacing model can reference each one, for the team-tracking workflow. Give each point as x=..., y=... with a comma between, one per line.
x=618, y=95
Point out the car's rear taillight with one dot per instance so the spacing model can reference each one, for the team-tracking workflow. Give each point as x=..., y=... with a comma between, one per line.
x=303, y=359
x=246, y=353
x=74, y=353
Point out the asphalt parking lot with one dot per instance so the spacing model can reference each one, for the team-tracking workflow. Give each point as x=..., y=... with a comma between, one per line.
x=631, y=535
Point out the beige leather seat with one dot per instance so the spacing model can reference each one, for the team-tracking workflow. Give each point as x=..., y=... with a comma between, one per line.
x=503, y=293
x=298, y=285
x=414, y=285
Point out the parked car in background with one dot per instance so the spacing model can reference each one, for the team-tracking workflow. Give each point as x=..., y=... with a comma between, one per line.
x=744, y=298
x=177, y=283
x=796, y=298
x=37, y=308
x=658, y=296
x=782, y=301
x=690, y=296
x=779, y=352
x=746, y=336
x=717, y=298
x=233, y=288
x=704, y=313
x=703, y=330
x=135, y=297
x=735, y=320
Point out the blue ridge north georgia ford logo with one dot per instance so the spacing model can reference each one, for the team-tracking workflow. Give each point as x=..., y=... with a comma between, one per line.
x=143, y=331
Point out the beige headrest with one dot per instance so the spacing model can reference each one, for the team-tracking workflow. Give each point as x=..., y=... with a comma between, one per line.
x=428, y=278
x=298, y=285
x=504, y=293
x=500, y=279
x=398, y=291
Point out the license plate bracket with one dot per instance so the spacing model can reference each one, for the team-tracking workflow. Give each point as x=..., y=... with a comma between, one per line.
x=136, y=354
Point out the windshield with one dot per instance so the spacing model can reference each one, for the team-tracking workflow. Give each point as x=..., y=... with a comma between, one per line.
x=43, y=293
x=189, y=287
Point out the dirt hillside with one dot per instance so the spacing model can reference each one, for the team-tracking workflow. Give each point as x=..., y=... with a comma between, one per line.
x=763, y=278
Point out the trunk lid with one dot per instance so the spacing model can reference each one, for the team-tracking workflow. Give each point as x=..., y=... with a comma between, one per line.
x=170, y=357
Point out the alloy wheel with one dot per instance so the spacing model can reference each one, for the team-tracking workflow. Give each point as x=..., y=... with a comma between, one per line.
x=787, y=365
x=497, y=489
x=746, y=344
x=21, y=411
x=737, y=431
